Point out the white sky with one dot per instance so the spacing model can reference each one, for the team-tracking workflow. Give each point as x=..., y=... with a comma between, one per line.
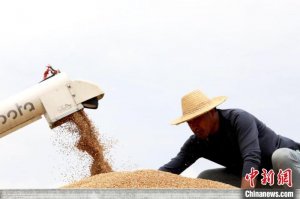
x=145, y=55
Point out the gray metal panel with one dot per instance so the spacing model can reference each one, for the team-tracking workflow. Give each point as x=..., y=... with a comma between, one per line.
x=123, y=193
x=119, y=193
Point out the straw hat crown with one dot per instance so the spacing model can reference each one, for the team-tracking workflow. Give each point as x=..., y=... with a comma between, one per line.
x=195, y=104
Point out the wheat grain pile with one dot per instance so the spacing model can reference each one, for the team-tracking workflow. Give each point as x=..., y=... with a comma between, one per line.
x=142, y=179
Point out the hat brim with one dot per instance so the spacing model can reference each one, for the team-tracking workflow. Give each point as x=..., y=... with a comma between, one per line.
x=209, y=106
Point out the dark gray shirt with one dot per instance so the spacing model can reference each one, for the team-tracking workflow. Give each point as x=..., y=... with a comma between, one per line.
x=242, y=142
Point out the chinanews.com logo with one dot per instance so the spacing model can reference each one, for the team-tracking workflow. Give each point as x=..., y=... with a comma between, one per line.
x=284, y=177
x=267, y=193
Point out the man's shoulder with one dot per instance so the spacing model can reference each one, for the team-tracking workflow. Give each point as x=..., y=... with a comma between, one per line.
x=233, y=112
x=236, y=117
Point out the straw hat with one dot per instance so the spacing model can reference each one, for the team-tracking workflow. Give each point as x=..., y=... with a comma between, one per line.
x=195, y=104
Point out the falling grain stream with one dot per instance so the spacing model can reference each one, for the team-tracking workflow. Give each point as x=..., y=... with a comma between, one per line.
x=88, y=140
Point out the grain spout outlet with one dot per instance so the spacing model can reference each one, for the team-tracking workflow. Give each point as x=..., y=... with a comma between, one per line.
x=55, y=98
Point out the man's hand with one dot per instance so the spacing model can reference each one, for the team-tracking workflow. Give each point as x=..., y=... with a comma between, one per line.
x=246, y=184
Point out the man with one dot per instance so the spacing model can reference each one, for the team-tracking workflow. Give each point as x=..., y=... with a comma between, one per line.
x=235, y=139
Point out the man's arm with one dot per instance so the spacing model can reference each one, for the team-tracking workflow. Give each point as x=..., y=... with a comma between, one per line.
x=189, y=153
x=247, y=134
